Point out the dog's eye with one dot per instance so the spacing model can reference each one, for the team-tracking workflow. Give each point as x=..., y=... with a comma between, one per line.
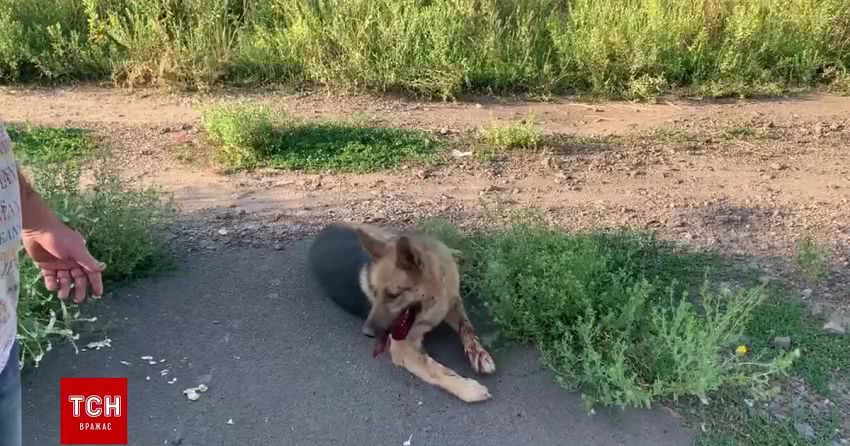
x=394, y=294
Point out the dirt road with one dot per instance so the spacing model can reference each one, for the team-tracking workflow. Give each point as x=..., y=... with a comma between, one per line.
x=746, y=177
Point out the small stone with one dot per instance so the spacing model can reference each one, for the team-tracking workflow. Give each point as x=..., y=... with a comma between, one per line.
x=807, y=293
x=222, y=231
x=783, y=342
x=278, y=247
x=805, y=430
x=834, y=327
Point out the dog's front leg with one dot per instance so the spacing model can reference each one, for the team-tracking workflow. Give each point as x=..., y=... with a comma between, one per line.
x=408, y=355
x=478, y=356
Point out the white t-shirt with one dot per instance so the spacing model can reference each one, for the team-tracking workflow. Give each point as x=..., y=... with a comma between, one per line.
x=10, y=245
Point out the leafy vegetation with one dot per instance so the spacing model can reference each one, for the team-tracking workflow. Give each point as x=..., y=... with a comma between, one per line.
x=613, y=314
x=118, y=220
x=516, y=135
x=812, y=259
x=249, y=136
x=636, y=49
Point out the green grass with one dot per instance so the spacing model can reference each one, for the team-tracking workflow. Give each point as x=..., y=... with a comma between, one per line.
x=629, y=320
x=812, y=259
x=729, y=421
x=40, y=145
x=622, y=317
x=823, y=355
x=248, y=136
x=636, y=49
x=119, y=221
x=516, y=135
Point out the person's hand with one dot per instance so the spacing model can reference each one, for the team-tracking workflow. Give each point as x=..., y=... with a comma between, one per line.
x=61, y=255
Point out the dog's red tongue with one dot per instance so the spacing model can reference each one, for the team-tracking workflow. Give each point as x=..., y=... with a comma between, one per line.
x=399, y=331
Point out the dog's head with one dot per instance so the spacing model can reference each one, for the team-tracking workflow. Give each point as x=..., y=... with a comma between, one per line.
x=401, y=276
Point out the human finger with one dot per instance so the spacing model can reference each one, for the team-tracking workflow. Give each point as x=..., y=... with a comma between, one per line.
x=64, y=283
x=50, y=280
x=96, y=283
x=81, y=285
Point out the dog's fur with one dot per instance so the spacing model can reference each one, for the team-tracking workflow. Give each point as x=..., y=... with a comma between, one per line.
x=376, y=275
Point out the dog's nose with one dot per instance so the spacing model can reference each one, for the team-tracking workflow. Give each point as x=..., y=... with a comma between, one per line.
x=368, y=330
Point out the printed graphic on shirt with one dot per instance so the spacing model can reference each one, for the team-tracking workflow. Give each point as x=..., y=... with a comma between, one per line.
x=10, y=244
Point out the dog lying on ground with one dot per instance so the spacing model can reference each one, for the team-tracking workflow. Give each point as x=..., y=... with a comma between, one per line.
x=404, y=286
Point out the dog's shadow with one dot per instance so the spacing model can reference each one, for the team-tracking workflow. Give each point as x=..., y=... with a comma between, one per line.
x=443, y=344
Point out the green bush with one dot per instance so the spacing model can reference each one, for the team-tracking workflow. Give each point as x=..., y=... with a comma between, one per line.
x=49, y=40
x=635, y=48
x=119, y=221
x=242, y=132
x=611, y=312
x=247, y=136
x=519, y=135
x=812, y=259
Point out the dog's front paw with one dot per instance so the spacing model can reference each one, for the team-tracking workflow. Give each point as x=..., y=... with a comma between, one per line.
x=481, y=360
x=471, y=391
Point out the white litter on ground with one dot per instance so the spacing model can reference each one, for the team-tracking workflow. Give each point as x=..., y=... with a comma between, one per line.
x=408, y=442
x=97, y=345
x=230, y=421
x=173, y=380
x=193, y=393
x=124, y=362
x=146, y=358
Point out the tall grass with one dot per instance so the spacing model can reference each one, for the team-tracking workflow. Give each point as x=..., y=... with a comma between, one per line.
x=634, y=48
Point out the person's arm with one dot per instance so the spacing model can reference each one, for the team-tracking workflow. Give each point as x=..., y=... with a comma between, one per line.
x=35, y=213
x=58, y=251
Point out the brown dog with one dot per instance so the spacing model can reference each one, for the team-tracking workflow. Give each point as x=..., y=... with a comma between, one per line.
x=409, y=285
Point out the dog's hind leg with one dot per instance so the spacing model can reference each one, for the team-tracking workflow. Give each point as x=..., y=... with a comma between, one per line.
x=478, y=356
x=407, y=355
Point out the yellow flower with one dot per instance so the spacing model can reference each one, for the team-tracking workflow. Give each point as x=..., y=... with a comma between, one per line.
x=741, y=350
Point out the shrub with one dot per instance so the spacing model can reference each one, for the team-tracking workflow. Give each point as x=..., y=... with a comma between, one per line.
x=249, y=135
x=119, y=221
x=440, y=48
x=611, y=313
x=242, y=132
x=519, y=135
x=812, y=259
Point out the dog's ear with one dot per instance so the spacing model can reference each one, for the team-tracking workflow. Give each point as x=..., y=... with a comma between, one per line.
x=407, y=256
x=376, y=248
